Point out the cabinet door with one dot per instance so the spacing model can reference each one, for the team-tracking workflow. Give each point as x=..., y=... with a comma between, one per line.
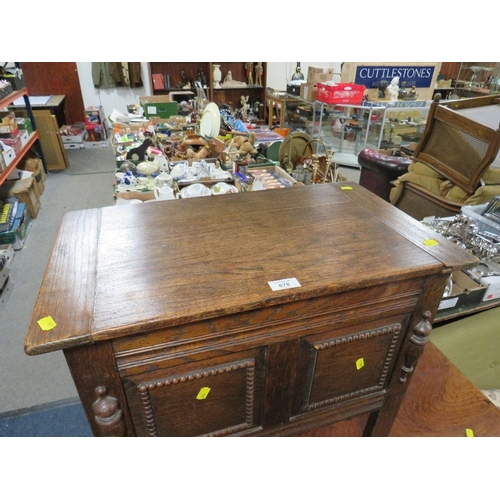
x=215, y=397
x=342, y=365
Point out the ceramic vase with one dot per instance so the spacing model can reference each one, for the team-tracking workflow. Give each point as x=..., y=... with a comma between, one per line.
x=217, y=76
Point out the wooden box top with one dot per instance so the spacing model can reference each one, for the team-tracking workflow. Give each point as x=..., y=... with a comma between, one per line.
x=120, y=270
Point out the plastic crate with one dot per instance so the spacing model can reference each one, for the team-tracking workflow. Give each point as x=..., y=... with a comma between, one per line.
x=341, y=93
x=483, y=223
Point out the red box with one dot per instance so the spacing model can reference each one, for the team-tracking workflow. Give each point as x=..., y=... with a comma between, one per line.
x=341, y=93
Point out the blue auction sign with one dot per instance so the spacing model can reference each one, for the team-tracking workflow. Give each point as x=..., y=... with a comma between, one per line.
x=373, y=76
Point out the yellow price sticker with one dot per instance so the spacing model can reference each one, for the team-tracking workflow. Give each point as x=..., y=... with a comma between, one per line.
x=360, y=363
x=469, y=433
x=46, y=323
x=203, y=393
x=430, y=243
x=346, y=188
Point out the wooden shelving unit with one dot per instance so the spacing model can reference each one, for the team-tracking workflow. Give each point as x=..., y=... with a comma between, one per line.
x=33, y=139
x=183, y=72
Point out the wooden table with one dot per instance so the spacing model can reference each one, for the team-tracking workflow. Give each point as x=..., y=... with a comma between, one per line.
x=260, y=313
x=279, y=100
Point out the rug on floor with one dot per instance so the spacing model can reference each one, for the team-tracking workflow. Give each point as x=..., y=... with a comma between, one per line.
x=62, y=419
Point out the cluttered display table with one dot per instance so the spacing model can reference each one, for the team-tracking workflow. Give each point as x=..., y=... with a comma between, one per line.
x=267, y=313
x=213, y=152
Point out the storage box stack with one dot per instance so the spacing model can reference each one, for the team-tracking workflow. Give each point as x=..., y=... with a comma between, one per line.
x=95, y=124
x=73, y=136
x=25, y=191
x=35, y=166
x=10, y=136
x=15, y=222
x=309, y=90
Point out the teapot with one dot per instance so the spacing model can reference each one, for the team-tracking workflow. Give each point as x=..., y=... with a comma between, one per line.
x=162, y=163
x=163, y=179
x=164, y=193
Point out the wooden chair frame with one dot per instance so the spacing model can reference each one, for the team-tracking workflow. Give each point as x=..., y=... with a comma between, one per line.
x=448, y=116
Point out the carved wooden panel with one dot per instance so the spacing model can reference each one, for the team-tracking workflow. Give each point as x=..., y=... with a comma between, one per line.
x=214, y=398
x=347, y=364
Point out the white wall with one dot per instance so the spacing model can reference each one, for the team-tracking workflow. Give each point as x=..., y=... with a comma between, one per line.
x=278, y=74
x=110, y=99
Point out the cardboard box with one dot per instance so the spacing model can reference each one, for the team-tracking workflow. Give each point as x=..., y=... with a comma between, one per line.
x=158, y=105
x=94, y=115
x=8, y=155
x=79, y=145
x=465, y=292
x=5, y=292
x=95, y=144
x=4, y=276
x=7, y=251
x=3, y=166
x=95, y=133
x=275, y=171
x=136, y=195
x=35, y=166
x=8, y=127
x=8, y=131
x=316, y=75
x=493, y=287
x=73, y=134
x=25, y=191
x=15, y=143
x=309, y=91
x=24, y=136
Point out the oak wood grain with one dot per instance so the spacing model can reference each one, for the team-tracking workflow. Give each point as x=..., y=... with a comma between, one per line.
x=123, y=269
x=441, y=402
x=154, y=303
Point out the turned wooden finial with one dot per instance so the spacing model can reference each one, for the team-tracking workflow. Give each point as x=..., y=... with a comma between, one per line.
x=419, y=338
x=107, y=413
x=105, y=406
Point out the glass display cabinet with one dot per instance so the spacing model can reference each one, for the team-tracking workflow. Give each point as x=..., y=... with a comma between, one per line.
x=347, y=129
x=475, y=79
x=401, y=124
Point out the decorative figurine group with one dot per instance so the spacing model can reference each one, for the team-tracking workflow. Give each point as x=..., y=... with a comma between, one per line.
x=259, y=71
x=392, y=91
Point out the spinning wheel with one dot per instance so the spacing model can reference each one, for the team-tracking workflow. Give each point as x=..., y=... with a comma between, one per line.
x=321, y=165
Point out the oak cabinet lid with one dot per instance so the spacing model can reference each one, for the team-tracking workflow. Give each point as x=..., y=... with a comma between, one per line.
x=120, y=270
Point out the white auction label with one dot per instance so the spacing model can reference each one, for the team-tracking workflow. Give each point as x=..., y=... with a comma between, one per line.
x=284, y=284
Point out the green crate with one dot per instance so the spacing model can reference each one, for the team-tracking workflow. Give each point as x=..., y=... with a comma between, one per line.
x=159, y=106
